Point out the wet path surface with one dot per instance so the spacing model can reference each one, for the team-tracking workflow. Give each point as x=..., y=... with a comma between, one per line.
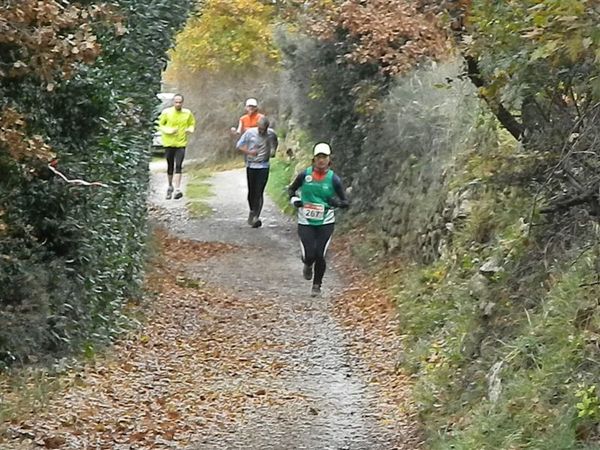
x=329, y=405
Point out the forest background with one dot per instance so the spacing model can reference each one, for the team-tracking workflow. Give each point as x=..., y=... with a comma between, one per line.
x=468, y=131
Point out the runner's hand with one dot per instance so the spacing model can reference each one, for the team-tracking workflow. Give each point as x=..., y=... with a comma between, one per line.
x=337, y=203
x=333, y=202
x=296, y=202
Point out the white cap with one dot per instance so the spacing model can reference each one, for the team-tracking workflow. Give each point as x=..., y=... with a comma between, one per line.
x=251, y=102
x=322, y=149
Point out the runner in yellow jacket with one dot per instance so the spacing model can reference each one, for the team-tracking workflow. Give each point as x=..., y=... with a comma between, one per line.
x=174, y=125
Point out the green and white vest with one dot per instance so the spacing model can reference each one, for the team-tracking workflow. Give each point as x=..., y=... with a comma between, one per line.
x=314, y=195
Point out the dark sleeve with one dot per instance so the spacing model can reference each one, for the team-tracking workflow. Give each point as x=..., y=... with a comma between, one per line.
x=292, y=188
x=275, y=141
x=340, y=191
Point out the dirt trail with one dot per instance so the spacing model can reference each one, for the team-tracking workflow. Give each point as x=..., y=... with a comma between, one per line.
x=234, y=353
x=337, y=413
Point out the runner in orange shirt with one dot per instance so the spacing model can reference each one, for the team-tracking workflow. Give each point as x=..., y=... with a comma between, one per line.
x=248, y=120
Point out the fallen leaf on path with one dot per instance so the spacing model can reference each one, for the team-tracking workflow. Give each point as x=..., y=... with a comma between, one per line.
x=54, y=441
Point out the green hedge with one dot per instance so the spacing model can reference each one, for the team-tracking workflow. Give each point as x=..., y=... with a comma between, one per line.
x=71, y=256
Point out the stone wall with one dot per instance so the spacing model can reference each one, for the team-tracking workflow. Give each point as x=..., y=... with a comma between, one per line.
x=403, y=181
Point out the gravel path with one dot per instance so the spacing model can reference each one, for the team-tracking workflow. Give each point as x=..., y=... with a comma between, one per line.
x=337, y=411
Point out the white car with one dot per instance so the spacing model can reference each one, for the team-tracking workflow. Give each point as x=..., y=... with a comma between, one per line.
x=166, y=99
x=157, y=139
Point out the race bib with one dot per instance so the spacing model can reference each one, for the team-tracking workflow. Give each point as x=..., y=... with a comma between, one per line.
x=312, y=211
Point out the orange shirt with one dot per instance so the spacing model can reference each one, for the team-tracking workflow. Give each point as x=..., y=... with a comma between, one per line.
x=250, y=121
x=319, y=175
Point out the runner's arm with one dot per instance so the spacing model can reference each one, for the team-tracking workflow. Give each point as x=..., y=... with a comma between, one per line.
x=342, y=200
x=191, y=123
x=162, y=124
x=274, y=144
x=237, y=130
x=292, y=188
x=243, y=145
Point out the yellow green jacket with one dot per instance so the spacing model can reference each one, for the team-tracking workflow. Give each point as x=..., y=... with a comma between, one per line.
x=174, y=126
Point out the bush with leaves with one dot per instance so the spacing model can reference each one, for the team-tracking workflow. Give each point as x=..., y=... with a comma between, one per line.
x=76, y=85
x=329, y=97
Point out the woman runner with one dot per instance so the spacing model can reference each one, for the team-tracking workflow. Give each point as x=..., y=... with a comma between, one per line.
x=321, y=191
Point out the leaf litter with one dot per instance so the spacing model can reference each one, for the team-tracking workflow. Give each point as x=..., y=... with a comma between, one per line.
x=164, y=383
x=370, y=319
x=202, y=360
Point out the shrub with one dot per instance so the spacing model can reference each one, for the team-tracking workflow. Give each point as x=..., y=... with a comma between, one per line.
x=70, y=256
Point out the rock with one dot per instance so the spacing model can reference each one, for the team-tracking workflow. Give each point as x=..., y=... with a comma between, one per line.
x=487, y=308
x=464, y=209
x=393, y=243
x=396, y=214
x=479, y=287
x=491, y=267
x=494, y=382
x=444, y=249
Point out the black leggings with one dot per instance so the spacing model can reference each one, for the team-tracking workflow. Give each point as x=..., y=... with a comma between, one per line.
x=314, y=241
x=174, y=157
x=257, y=180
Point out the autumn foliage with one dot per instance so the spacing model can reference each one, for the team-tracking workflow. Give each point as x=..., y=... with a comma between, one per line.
x=14, y=138
x=48, y=39
x=396, y=35
x=228, y=35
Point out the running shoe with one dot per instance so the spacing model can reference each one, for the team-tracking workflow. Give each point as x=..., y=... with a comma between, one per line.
x=178, y=194
x=169, y=192
x=257, y=223
x=316, y=290
x=307, y=271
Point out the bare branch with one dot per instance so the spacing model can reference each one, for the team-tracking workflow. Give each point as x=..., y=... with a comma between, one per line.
x=512, y=125
x=77, y=182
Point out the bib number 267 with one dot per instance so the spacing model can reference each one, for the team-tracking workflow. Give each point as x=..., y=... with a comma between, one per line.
x=312, y=211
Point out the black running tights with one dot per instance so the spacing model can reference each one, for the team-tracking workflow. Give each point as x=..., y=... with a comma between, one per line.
x=257, y=180
x=174, y=157
x=314, y=241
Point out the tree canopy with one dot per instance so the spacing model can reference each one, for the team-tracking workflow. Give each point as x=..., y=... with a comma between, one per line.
x=227, y=35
